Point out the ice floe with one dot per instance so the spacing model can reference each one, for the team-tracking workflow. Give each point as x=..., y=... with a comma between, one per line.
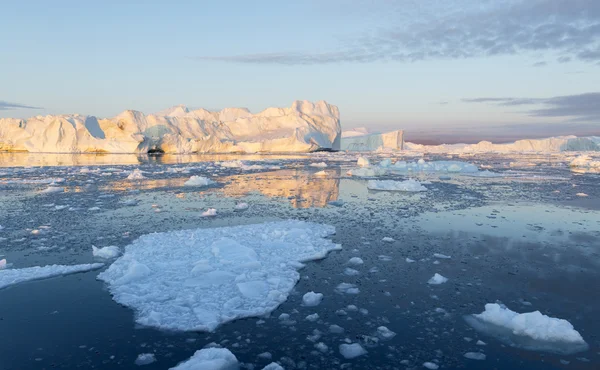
x=312, y=299
x=136, y=175
x=320, y=173
x=350, y=351
x=10, y=277
x=409, y=185
x=145, y=359
x=199, y=279
x=367, y=172
x=320, y=164
x=531, y=330
x=211, y=212
x=437, y=279
x=106, y=252
x=198, y=181
x=210, y=359
x=475, y=356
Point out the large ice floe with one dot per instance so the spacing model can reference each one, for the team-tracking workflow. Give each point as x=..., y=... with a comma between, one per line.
x=199, y=279
x=210, y=359
x=304, y=127
x=531, y=330
x=10, y=277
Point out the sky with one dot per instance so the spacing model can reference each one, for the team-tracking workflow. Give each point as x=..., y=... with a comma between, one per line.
x=441, y=68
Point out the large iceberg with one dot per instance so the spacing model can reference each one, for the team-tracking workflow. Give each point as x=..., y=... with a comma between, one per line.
x=198, y=279
x=304, y=127
x=353, y=141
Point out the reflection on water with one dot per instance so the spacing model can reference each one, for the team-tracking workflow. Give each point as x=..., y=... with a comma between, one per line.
x=53, y=159
x=302, y=188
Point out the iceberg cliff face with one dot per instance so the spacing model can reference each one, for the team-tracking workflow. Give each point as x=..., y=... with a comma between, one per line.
x=304, y=127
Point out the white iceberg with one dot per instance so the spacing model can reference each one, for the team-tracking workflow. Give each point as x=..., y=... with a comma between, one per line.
x=199, y=279
x=10, y=277
x=437, y=279
x=210, y=359
x=531, y=330
x=304, y=127
x=198, y=181
x=409, y=185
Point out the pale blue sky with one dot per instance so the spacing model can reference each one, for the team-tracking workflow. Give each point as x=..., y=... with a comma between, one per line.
x=385, y=63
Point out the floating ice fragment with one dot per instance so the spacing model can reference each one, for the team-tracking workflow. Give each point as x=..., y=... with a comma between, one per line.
x=347, y=288
x=10, y=277
x=351, y=272
x=320, y=165
x=210, y=359
x=241, y=206
x=408, y=260
x=442, y=256
x=430, y=365
x=531, y=330
x=322, y=347
x=388, y=239
x=385, y=333
x=320, y=173
x=136, y=175
x=350, y=351
x=145, y=359
x=312, y=299
x=437, y=279
x=363, y=162
x=273, y=366
x=409, y=185
x=3, y=264
x=198, y=279
x=106, y=252
x=209, y=213
x=313, y=317
x=355, y=261
x=367, y=172
x=53, y=189
x=198, y=181
x=475, y=356
x=581, y=194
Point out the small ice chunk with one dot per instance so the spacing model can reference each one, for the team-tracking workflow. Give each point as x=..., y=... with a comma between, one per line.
x=437, y=279
x=312, y=299
x=355, y=261
x=475, y=356
x=363, y=162
x=10, y=277
x=385, y=333
x=209, y=213
x=409, y=185
x=336, y=329
x=531, y=330
x=314, y=317
x=272, y=366
x=210, y=359
x=388, y=239
x=347, y=288
x=3, y=264
x=581, y=194
x=481, y=343
x=198, y=181
x=320, y=174
x=441, y=256
x=408, y=260
x=350, y=351
x=106, y=252
x=431, y=365
x=241, y=206
x=320, y=165
x=322, y=347
x=136, y=175
x=53, y=189
x=351, y=272
x=145, y=359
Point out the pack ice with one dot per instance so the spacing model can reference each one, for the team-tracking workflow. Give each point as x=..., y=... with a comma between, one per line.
x=199, y=279
x=10, y=277
x=531, y=330
x=304, y=127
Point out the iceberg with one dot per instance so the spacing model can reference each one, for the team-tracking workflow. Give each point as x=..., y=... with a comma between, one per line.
x=353, y=141
x=547, y=145
x=531, y=330
x=196, y=280
x=303, y=127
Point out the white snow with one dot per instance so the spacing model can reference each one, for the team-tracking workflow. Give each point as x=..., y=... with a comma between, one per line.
x=475, y=356
x=10, y=277
x=198, y=181
x=106, y=252
x=136, y=175
x=350, y=351
x=211, y=212
x=145, y=359
x=210, y=359
x=531, y=330
x=437, y=279
x=312, y=299
x=312, y=317
x=199, y=279
x=409, y=185
x=303, y=127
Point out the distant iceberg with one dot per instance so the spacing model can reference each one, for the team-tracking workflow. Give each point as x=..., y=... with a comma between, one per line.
x=547, y=145
x=304, y=127
x=361, y=140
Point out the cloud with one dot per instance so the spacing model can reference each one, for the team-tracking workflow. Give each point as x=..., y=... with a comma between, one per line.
x=10, y=106
x=564, y=29
x=580, y=108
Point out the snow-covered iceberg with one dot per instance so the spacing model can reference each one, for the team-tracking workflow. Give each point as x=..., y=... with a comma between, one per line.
x=198, y=279
x=304, y=127
x=353, y=141
x=531, y=330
